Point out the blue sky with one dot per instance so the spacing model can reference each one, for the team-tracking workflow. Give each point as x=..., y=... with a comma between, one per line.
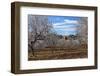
x=64, y=25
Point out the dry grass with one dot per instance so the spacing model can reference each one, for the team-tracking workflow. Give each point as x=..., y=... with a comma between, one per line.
x=57, y=53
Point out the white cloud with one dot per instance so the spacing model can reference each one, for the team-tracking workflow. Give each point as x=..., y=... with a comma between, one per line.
x=67, y=29
x=71, y=21
x=64, y=27
x=70, y=29
x=66, y=21
x=60, y=23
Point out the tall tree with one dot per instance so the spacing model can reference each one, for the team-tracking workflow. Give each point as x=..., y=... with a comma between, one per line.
x=38, y=28
x=83, y=30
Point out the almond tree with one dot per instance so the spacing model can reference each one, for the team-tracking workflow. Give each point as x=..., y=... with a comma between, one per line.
x=83, y=30
x=38, y=28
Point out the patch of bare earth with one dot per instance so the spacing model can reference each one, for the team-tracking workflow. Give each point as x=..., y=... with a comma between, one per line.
x=57, y=53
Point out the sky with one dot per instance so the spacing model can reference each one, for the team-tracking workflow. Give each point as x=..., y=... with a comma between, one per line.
x=64, y=25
